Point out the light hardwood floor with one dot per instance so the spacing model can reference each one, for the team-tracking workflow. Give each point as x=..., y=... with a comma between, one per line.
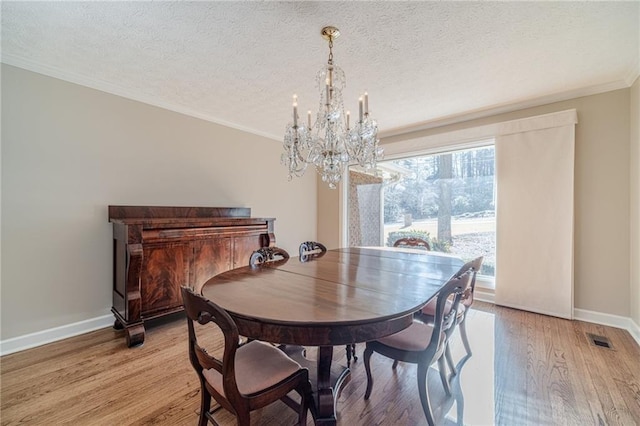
x=526, y=369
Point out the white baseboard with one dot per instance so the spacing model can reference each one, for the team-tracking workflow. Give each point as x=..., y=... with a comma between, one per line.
x=635, y=331
x=617, y=321
x=485, y=294
x=40, y=338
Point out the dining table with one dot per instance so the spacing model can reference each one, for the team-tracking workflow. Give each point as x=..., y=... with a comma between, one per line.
x=338, y=297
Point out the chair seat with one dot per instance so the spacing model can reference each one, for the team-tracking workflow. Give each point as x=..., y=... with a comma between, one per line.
x=414, y=338
x=258, y=366
x=430, y=308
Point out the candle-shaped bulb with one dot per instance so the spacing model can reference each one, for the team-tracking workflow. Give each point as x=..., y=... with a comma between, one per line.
x=309, y=118
x=360, y=107
x=328, y=95
x=348, y=116
x=295, y=110
x=366, y=103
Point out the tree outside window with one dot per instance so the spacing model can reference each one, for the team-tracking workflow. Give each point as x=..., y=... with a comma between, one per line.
x=447, y=199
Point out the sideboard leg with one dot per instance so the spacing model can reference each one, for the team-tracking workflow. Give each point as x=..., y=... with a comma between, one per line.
x=135, y=335
x=117, y=325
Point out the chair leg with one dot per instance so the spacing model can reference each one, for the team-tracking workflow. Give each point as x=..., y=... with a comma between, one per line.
x=243, y=418
x=423, y=369
x=302, y=415
x=367, y=368
x=443, y=375
x=306, y=396
x=452, y=366
x=395, y=364
x=353, y=352
x=463, y=334
x=205, y=405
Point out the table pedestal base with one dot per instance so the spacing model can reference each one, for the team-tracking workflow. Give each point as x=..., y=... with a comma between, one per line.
x=327, y=380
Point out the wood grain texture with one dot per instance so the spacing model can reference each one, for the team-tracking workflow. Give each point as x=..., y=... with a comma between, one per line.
x=525, y=367
x=166, y=268
x=122, y=212
x=210, y=257
x=343, y=287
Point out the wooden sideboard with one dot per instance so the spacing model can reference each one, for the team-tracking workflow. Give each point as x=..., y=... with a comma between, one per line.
x=158, y=249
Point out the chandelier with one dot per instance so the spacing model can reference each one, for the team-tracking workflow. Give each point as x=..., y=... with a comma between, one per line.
x=330, y=143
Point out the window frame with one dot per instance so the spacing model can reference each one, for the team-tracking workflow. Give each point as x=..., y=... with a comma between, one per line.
x=482, y=281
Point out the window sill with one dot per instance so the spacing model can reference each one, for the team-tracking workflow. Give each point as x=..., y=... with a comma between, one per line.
x=486, y=282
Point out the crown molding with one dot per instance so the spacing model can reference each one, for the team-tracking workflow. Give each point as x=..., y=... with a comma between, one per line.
x=103, y=86
x=112, y=89
x=634, y=73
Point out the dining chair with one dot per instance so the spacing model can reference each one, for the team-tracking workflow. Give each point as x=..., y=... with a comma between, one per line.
x=412, y=242
x=422, y=344
x=248, y=377
x=267, y=254
x=428, y=312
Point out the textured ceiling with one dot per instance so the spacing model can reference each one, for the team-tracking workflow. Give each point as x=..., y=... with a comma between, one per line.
x=238, y=63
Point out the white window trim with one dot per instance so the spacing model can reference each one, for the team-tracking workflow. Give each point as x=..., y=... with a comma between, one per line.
x=473, y=137
x=486, y=282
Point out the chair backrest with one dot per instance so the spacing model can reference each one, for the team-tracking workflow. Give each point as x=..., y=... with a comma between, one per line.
x=311, y=250
x=203, y=311
x=473, y=266
x=445, y=318
x=268, y=254
x=412, y=242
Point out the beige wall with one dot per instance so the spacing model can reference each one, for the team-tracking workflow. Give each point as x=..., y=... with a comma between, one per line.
x=69, y=151
x=635, y=202
x=329, y=208
x=602, y=264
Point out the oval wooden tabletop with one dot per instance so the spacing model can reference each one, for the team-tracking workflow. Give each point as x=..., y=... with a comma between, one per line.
x=331, y=299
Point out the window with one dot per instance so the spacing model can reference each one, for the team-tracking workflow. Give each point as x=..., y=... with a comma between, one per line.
x=447, y=199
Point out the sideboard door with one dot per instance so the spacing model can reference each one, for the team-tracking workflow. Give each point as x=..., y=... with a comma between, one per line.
x=165, y=268
x=210, y=257
x=242, y=249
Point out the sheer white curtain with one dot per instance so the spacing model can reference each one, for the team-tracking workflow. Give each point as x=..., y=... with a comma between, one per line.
x=534, y=230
